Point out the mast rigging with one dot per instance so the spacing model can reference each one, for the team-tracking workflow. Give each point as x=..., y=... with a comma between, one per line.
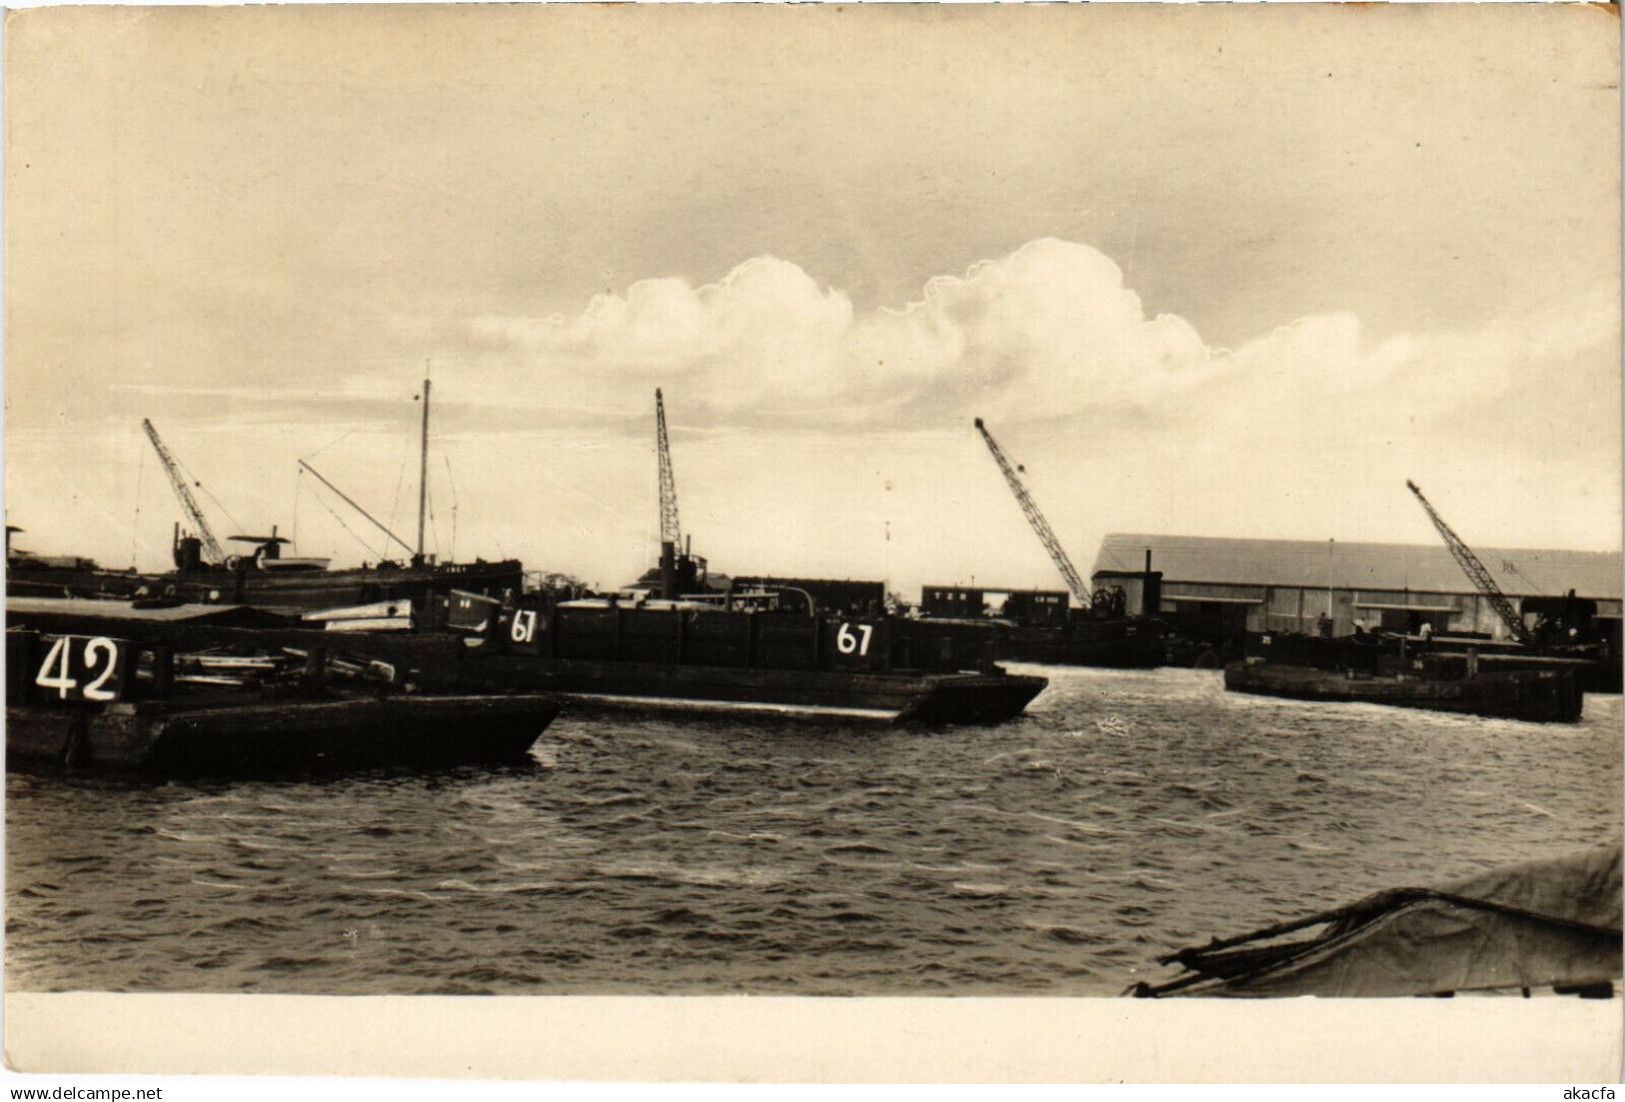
x=347, y=500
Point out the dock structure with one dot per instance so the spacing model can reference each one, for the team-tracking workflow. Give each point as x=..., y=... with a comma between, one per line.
x=1235, y=586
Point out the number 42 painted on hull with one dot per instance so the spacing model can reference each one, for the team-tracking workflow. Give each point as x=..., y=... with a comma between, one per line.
x=84, y=668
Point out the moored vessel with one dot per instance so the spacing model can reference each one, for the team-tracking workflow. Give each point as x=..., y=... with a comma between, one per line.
x=682, y=639
x=1042, y=625
x=241, y=703
x=1431, y=681
x=261, y=574
x=686, y=655
x=1037, y=626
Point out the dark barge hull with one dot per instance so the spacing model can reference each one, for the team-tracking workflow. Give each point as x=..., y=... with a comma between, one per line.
x=639, y=659
x=1109, y=644
x=1114, y=645
x=1543, y=696
x=224, y=737
x=896, y=697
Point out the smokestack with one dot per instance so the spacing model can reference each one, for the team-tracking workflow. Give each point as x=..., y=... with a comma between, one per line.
x=1150, y=589
x=668, y=570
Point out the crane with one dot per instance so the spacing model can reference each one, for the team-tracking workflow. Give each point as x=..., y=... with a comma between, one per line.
x=675, y=566
x=669, y=528
x=1475, y=570
x=211, y=546
x=1036, y=518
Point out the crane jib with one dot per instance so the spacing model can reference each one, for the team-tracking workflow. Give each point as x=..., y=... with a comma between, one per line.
x=1475, y=571
x=670, y=530
x=211, y=546
x=1030, y=509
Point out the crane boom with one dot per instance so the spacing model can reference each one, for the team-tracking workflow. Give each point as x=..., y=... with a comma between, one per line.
x=1041, y=526
x=1475, y=570
x=669, y=528
x=211, y=546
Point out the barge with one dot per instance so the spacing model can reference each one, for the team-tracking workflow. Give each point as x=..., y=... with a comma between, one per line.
x=105, y=704
x=686, y=655
x=1037, y=625
x=1541, y=696
x=1407, y=673
x=602, y=653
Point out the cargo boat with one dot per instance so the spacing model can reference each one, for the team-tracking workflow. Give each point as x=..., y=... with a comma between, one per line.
x=250, y=581
x=261, y=575
x=686, y=655
x=250, y=705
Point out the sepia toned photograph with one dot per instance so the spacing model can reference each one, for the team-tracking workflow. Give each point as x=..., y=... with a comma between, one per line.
x=967, y=504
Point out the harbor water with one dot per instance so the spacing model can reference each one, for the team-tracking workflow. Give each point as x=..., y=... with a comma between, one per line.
x=1126, y=815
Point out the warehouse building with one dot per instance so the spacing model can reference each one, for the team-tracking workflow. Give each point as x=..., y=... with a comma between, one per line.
x=1236, y=585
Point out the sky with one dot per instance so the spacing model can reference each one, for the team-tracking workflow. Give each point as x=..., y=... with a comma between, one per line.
x=1203, y=270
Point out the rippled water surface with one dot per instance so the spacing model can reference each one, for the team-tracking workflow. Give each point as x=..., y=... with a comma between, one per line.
x=1127, y=814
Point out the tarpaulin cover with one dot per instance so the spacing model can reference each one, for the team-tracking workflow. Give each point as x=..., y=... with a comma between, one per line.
x=1552, y=923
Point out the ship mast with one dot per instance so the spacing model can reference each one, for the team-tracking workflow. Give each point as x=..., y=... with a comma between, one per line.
x=423, y=473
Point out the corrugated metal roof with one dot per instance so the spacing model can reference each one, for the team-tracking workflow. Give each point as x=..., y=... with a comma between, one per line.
x=1391, y=566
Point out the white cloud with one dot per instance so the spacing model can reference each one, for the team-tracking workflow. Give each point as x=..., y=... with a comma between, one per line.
x=1127, y=422
x=1310, y=427
x=1050, y=326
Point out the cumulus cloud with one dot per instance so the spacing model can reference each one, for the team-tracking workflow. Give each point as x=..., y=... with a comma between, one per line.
x=1049, y=344
x=764, y=333
x=1050, y=326
x=1309, y=425
x=1048, y=332
x=1128, y=420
